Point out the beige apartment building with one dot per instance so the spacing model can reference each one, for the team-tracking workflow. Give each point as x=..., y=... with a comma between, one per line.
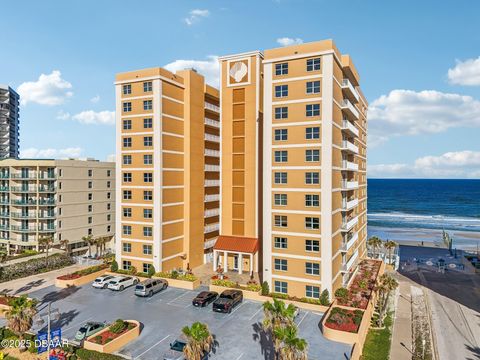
x=293, y=167
x=168, y=169
x=66, y=199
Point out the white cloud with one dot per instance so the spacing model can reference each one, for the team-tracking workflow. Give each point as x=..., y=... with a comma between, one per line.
x=62, y=115
x=50, y=153
x=49, y=90
x=95, y=99
x=209, y=68
x=195, y=15
x=459, y=164
x=286, y=41
x=465, y=73
x=93, y=117
x=407, y=112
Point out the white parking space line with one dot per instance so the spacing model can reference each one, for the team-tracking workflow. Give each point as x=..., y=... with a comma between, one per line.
x=238, y=307
x=303, y=318
x=256, y=312
x=238, y=358
x=178, y=297
x=77, y=324
x=151, y=347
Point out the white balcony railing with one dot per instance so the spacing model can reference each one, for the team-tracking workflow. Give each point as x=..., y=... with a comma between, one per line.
x=349, y=146
x=211, y=137
x=350, y=89
x=211, y=122
x=352, y=259
x=209, y=167
x=349, y=108
x=211, y=212
x=211, y=152
x=352, y=241
x=211, y=228
x=212, y=107
x=351, y=128
x=349, y=204
x=349, y=185
x=213, y=197
x=209, y=183
x=210, y=243
x=348, y=224
x=348, y=165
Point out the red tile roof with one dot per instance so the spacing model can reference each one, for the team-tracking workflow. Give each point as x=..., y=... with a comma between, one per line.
x=236, y=244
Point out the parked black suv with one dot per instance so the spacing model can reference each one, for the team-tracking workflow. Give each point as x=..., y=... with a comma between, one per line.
x=227, y=301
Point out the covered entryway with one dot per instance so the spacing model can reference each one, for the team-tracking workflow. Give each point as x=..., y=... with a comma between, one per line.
x=236, y=253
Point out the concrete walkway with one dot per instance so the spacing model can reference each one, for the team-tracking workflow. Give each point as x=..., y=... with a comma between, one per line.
x=402, y=328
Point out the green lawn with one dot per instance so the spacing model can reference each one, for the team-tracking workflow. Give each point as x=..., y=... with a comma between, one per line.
x=377, y=343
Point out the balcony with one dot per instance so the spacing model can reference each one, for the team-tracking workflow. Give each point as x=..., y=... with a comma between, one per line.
x=47, y=176
x=210, y=183
x=4, y=227
x=4, y=189
x=350, y=127
x=212, y=107
x=26, y=176
x=211, y=213
x=213, y=138
x=213, y=197
x=349, y=90
x=351, y=261
x=211, y=228
x=349, y=146
x=210, y=243
x=24, y=215
x=4, y=176
x=24, y=189
x=211, y=122
x=47, y=189
x=348, y=224
x=214, y=168
x=33, y=228
x=349, y=185
x=349, y=204
x=46, y=202
x=4, y=201
x=212, y=153
x=348, y=165
x=348, y=107
x=4, y=214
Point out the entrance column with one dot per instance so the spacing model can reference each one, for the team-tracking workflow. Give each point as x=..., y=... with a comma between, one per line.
x=240, y=263
x=215, y=260
x=251, y=264
x=225, y=261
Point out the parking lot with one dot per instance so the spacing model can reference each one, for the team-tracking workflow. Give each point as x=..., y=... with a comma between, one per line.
x=238, y=334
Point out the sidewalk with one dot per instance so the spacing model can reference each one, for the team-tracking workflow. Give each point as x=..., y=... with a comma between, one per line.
x=402, y=327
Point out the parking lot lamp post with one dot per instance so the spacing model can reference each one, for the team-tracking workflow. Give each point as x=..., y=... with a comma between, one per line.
x=50, y=315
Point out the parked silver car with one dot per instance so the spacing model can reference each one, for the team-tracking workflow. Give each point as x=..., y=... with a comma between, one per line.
x=150, y=287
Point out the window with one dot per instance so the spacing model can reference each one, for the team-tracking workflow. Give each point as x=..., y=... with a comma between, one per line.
x=127, y=159
x=127, y=230
x=280, y=199
x=147, y=86
x=313, y=87
x=147, y=213
x=146, y=267
x=147, y=105
x=281, y=156
x=312, y=291
x=280, y=243
x=281, y=287
x=126, y=264
x=312, y=133
x=109, y=217
x=109, y=195
x=127, y=142
x=90, y=184
x=127, y=106
x=281, y=134
x=312, y=155
x=280, y=178
x=147, y=249
x=109, y=228
x=281, y=112
x=147, y=231
x=147, y=195
x=312, y=268
x=147, y=177
x=281, y=264
x=281, y=221
x=109, y=184
x=127, y=124
x=281, y=69
x=109, y=206
x=109, y=172
x=147, y=141
x=312, y=223
x=89, y=232
x=312, y=178
x=127, y=212
x=281, y=91
x=127, y=89
x=127, y=195
x=313, y=64
x=147, y=123
x=90, y=196
x=89, y=220
x=59, y=198
x=312, y=200
x=313, y=110
x=127, y=177
x=147, y=159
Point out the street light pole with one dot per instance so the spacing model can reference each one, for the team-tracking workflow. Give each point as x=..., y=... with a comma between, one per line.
x=48, y=330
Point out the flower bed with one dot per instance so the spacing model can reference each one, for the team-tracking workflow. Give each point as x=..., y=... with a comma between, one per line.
x=80, y=277
x=176, y=276
x=114, y=337
x=115, y=330
x=78, y=274
x=344, y=319
x=234, y=285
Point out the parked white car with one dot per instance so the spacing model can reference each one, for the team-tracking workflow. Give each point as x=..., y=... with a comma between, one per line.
x=101, y=282
x=118, y=283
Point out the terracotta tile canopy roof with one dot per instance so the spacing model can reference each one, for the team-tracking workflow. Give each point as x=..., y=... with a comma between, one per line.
x=236, y=244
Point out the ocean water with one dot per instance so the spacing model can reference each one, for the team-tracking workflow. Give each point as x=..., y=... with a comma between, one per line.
x=422, y=204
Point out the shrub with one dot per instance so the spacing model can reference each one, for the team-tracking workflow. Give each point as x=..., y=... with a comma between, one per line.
x=114, y=266
x=133, y=270
x=151, y=271
x=341, y=294
x=324, y=298
x=278, y=295
x=265, y=288
x=224, y=283
x=174, y=274
x=84, y=354
x=310, y=301
x=118, y=326
x=254, y=287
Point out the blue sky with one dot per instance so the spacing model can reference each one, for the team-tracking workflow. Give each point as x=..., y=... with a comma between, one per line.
x=423, y=122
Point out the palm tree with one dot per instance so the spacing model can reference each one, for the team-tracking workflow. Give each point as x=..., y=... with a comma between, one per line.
x=46, y=242
x=293, y=347
x=374, y=242
x=90, y=241
x=277, y=315
x=386, y=284
x=199, y=341
x=20, y=314
x=64, y=244
x=390, y=246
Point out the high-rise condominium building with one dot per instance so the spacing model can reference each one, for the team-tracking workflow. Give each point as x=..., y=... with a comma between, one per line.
x=167, y=169
x=293, y=167
x=9, y=122
x=65, y=199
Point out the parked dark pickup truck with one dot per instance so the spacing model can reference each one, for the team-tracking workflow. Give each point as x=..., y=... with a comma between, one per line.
x=227, y=301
